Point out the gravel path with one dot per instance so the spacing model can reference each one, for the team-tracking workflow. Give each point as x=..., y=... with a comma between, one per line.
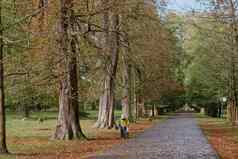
x=177, y=138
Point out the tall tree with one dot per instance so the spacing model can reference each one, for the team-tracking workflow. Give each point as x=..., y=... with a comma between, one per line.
x=226, y=12
x=68, y=125
x=111, y=50
x=126, y=92
x=3, y=146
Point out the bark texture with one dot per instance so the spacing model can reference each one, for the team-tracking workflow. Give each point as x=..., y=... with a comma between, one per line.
x=68, y=125
x=111, y=50
x=135, y=95
x=126, y=97
x=141, y=101
x=232, y=112
x=3, y=146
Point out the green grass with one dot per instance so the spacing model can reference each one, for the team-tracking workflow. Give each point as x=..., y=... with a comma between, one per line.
x=17, y=126
x=36, y=134
x=8, y=156
x=29, y=136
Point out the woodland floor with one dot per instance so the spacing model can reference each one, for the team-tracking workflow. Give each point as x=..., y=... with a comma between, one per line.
x=29, y=139
x=222, y=136
x=179, y=137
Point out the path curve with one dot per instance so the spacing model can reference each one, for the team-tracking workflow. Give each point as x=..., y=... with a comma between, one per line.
x=177, y=138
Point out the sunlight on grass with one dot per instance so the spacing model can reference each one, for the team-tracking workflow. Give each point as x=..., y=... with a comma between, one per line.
x=29, y=137
x=32, y=136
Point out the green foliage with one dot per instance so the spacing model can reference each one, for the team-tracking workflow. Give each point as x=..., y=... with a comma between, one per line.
x=206, y=72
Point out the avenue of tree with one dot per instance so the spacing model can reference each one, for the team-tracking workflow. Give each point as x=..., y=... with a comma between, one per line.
x=132, y=55
x=66, y=54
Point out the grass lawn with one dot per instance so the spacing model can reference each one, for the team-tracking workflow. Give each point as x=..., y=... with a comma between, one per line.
x=30, y=138
x=222, y=136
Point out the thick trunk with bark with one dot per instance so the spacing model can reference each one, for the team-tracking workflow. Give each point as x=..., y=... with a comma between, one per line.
x=3, y=146
x=141, y=101
x=106, y=105
x=232, y=102
x=68, y=125
x=111, y=47
x=135, y=95
x=231, y=113
x=126, y=97
x=232, y=92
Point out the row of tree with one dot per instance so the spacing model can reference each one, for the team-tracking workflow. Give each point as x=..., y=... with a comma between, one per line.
x=210, y=41
x=57, y=54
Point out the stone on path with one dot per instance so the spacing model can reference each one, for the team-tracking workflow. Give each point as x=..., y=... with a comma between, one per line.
x=177, y=138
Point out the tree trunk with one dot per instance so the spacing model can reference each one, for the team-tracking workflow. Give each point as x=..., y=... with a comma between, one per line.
x=26, y=111
x=232, y=77
x=3, y=146
x=135, y=96
x=141, y=101
x=94, y=105
x=232, y=93
x=68, y=125
x=157, y=111
x=106, y=105
x=126, y=103
x=111, y=47
x=153, y=110
x=228, y=112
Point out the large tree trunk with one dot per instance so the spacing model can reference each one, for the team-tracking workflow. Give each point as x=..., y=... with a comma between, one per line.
x=126, y=97
x=106, y=105
x=3, y=146
x=232, y=101
x=141, y=101
x=135, y=95
x=111, y=47
x=68, y=125
x=232, y=94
